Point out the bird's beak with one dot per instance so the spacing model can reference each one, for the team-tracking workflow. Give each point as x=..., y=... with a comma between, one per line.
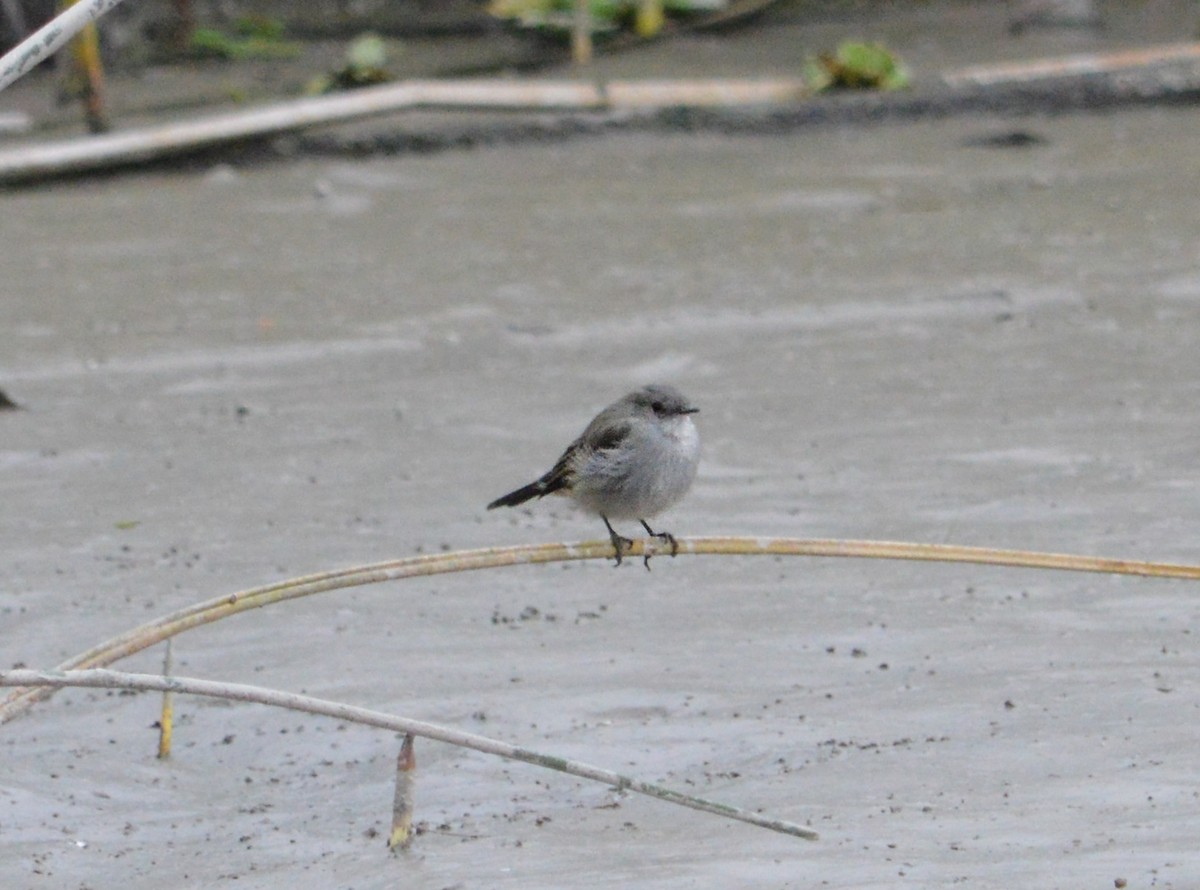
x=690, y=410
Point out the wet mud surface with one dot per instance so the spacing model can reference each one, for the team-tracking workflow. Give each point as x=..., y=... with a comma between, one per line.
x=925, y=332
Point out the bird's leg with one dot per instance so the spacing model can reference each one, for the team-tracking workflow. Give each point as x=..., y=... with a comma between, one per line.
x=665, y=537
x=620, y=544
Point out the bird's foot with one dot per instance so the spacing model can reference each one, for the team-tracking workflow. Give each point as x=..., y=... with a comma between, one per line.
x=620, y=543
x=665, y=537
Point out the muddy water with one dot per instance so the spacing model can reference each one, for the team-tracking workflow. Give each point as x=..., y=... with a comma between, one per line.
x=237, y=376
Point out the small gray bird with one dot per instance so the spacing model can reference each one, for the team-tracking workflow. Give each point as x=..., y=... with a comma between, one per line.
x=635, y=459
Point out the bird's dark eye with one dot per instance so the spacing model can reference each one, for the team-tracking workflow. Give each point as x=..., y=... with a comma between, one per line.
x=656, y=407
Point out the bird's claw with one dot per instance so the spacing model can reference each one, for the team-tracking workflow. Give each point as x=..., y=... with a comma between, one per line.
x=668, y=538
x=665, y=537
x=621, y=545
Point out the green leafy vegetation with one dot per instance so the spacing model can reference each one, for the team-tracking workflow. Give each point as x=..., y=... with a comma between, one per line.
x=253, y=37
x=857, y=66
x=557, y=17
x=365, y=64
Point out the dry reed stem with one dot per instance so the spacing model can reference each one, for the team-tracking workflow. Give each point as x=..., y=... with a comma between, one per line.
x=206, y=612
x=104, y=679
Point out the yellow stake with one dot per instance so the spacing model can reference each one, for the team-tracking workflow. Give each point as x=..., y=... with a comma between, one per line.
x=87, y=74
x=166, y=723
x=402, y=803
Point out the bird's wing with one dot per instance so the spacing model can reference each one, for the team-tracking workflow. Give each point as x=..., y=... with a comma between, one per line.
x=608, y=436
x=601, y=435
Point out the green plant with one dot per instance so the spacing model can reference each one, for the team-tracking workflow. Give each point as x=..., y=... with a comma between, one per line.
x=856, y=65
x=365, y=64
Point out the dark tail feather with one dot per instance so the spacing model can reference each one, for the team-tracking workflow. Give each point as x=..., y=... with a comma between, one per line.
x=540, y=488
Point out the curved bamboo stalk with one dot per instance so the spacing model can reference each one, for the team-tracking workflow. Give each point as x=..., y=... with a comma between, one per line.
x=275, y=698
x=220, y=607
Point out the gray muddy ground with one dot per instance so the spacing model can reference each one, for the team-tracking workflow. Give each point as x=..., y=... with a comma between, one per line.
x=237, y=376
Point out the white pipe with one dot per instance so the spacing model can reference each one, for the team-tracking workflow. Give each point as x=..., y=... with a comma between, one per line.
x=79, y=154
x=46, y=40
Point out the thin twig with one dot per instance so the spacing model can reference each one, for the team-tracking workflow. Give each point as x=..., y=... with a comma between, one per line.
x=103, y=679
x=206, y=612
